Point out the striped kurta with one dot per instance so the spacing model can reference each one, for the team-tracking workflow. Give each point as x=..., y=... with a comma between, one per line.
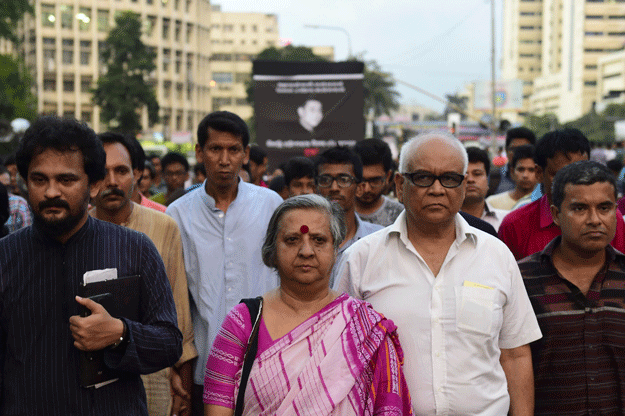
x=39, y=364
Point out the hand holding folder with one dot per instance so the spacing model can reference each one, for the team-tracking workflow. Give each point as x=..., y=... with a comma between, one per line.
x=118, y=297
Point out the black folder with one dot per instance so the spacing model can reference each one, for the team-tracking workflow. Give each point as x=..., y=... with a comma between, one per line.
x=121, y=298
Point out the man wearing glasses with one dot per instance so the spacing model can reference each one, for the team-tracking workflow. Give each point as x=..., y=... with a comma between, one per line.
x=338, y=173
x=455, y=292
x=371, y=204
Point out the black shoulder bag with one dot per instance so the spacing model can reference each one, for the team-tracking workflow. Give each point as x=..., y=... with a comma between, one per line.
x=255, y=306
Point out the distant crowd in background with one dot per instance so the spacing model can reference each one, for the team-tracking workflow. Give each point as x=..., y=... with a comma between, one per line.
x=447, y=281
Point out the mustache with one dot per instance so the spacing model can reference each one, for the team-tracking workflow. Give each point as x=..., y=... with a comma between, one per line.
x=53, y=203
x=112, y=191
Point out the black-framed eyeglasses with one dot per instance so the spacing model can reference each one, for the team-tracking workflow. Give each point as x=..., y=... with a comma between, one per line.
x=427, y=179
x=374, y=182
x=343, y=180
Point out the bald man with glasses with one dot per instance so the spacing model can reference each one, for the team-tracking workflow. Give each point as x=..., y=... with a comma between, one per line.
x=455, y=293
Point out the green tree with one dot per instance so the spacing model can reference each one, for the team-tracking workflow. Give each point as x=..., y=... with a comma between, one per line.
x=11, y=12
x=541, y=124
x=16, y=97
x=379, y=88
x=124, y=89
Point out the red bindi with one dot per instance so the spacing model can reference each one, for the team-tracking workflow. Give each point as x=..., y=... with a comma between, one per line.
x=303, y=229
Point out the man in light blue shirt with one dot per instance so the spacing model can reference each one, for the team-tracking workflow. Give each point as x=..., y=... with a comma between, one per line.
x=338, y=176
x=222, y=225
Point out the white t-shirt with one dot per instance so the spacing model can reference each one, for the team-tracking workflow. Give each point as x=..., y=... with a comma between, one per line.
x=451, y=326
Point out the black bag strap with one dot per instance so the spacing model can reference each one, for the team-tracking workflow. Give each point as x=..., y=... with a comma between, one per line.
x=255, y=306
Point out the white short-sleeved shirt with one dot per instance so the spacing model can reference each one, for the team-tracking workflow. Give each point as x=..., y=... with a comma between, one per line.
x=451, y=326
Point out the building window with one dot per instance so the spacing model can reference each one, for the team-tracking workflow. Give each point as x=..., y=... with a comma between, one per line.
x=617, y=17
x=590, y=83
x=177, y=30
x=179, y=90
x=594, y=17
x=68, y=51
x=47, y=15
x=242, y=28
x=68, y=85
x=242, y=101
x=166, y=59
x=49, y=84
x=166, y=89
x=103, y=21
x=616, y=33
x=85, y=52
x=218, y=102
x=222, y=77
x=189, y=32
x=165, y=29
x=228, y=28
x=221, y=57
x=85, y=84
x=85, y=116
x=84, y=19
x=594, y=33
x=49, y=53
x=67, y=16
x=178, y=61
x=254, y=28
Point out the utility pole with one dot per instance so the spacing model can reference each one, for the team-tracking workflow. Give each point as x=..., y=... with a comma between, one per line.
x=492, y=80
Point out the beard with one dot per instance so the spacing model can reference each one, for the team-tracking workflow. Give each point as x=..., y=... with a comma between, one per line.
x=61, y=226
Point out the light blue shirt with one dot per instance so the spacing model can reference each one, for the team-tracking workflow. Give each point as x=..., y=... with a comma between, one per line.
x=222, y=256
x=364, y=228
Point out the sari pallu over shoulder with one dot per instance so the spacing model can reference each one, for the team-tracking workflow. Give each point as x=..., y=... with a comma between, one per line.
x=344, y=360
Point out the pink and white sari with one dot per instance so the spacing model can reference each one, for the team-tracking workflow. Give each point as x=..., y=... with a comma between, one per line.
x=344, y=360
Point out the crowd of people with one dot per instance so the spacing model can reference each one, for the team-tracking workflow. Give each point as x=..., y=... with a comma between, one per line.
x=344, y=284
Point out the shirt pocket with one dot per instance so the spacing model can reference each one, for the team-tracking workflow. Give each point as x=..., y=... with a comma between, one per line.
x=475, y=309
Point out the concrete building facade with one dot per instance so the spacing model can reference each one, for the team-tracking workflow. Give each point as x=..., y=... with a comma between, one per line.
x=62, y=43
x=235, y=39
x=573, y=35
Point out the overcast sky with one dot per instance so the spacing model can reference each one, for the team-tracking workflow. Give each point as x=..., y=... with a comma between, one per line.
x=436, y=45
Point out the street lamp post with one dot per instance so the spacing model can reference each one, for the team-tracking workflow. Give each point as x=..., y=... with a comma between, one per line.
x=349, y=40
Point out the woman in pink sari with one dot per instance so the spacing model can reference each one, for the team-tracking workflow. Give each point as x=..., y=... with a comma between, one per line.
x=319, y=352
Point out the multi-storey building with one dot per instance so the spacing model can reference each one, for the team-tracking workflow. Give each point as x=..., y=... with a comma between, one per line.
x=522, y=42
x=236, y=38
x=573, y=35
x=62, y=43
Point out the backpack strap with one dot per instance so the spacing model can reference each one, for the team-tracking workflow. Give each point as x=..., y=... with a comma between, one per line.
x=255, y=306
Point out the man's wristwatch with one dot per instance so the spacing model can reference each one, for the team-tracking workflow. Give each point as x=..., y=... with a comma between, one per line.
x=121, y=339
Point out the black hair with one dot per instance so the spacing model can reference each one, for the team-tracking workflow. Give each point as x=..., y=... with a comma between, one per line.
x=374, y=152
x=477, y=155
x=257, y=154
x=584, y=172
x=149, y=166
x=615, y=165
x=340, y=155
x=563, y=141
x=137, y=155
x=277, y=184
x=63, y=135
x=174, y=157
x=520, y=133
x=10, y=160
x=224, y=121
x=199, y=168
x=298, y=167
x=522, y=152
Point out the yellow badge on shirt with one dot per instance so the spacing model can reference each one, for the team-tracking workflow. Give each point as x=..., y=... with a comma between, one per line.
x=472, y=284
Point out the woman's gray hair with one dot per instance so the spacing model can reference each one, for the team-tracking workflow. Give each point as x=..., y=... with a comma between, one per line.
x=410, y=148
x=338, y=227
